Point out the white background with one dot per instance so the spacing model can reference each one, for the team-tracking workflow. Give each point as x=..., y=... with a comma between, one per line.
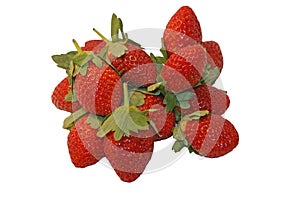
x=260, y=43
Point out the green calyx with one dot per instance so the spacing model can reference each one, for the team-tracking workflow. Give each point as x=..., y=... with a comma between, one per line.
x=94, y=121
x=117, y=45
x=209, y=76
x=73, y=118
x=126, y=118
x=159, y=60
x=178, y=131
x=181, y=100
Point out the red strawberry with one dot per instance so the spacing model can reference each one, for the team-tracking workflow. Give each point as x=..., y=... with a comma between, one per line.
x=215, y=57
x=59, y=97
x=212, y=136
x=85, y=148
x=163, y=121
x=182, y=30
x=94, y=45
x=129, y=156
x=208, y=98
x=185, y=68
x=137, y=66
x=100, y=90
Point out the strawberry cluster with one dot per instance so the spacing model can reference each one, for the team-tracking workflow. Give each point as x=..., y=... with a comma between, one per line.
x=122, y=99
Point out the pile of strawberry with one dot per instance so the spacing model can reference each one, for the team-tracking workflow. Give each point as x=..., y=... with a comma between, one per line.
x=122, y=100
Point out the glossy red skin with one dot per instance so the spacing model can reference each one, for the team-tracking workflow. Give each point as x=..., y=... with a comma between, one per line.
x=184, y=69
x=94, y=45
x=100, y=90
x=208, y=98
x=59, y=94
x=164, y=122
x=129, y=156
x=212, y=136
x=135, y=66
x=183, y=29
x=215, y=56
x=85, y=147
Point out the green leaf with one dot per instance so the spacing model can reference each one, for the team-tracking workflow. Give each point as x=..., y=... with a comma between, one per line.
x=134, y=43
x=195, y=115
x=170, y=101
x=69, y=96
x=97, y=61
x=157, y=59
x=118, y=134
x=209, y=76
x=184, y=105
x=124, y=120
x=191, y=150
x=63, y=60
x=94, y=121
x=153, y=126
x=163, y=50
x=70, y=120
x=184, y=96
x=117, y=49
x=70, y=71
x=144, y=90
x=137, y=99
x=154, y=86
x=82, y=58
x=115, y=27
x=177, y=146
x=183, y=99
x=177, y=115
x=103, y=52
x=177, y=132
x=139, y=118
x=83, y=69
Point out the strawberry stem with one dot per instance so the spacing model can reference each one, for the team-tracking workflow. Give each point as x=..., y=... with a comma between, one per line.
x=102, y=36
x=78, y=48
x=126, y=97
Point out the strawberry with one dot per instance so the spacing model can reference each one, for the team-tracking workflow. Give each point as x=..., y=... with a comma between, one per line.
x=128, y=156
x=208, y=98
x=85, y=148
x=137, y=66
x=99, y=90
x=129, y=141
x=183, y=29
x=210, y=136
x=94, y=45
x=132, y=62
x=60, y=94
x=215, y=57
x=184, y=69
x=163, y=121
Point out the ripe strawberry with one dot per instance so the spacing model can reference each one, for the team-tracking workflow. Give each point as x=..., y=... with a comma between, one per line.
x=137, y=66
x=212, y=136
x=59, y=97
x=215, y=57
x=129, y=156
x=85, y=148
x=94, y=45
x=184, y=69
x=163, y=121
x=208, y=98
x=182, y=30
x=100, y=90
